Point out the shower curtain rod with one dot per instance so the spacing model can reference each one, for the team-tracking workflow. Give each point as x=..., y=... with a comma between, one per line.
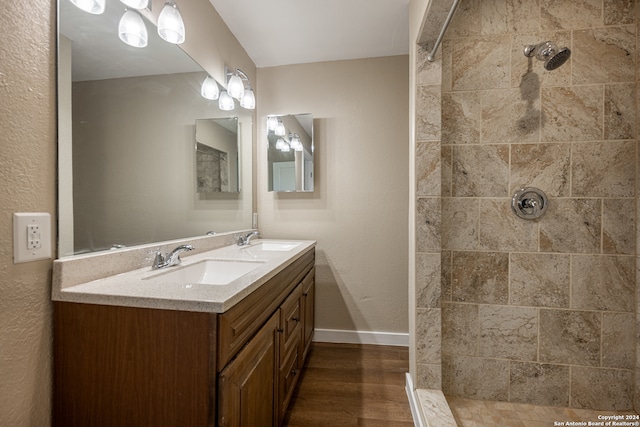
x=432, y=55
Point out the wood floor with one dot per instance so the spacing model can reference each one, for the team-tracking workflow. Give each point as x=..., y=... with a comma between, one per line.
x=352, y=385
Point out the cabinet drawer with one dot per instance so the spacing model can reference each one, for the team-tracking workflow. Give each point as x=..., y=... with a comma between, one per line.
x=239, y=323
x=288, y=377
x=290, y=321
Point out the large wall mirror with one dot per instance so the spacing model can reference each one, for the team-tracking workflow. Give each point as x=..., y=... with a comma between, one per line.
x=290, y=153
x=138, y=157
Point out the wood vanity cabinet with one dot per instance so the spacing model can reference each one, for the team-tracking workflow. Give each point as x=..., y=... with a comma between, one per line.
x=127, y=366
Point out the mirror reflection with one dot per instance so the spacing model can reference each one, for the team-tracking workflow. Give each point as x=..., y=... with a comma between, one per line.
x=217, y=155
x=290, y=152
x=128, y=121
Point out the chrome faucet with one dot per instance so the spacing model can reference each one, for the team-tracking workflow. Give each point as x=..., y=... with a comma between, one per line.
x=246, y=240
x=170, y=259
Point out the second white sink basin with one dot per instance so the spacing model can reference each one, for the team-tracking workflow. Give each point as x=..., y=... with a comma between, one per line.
x=208, y=272
x=276, y=246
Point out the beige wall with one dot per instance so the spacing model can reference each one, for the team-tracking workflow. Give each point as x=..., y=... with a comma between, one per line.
x=358, y=211
x=532, y=311
x=28, y=177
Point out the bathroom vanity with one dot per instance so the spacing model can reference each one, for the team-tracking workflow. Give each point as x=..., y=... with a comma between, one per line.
x=207, y=357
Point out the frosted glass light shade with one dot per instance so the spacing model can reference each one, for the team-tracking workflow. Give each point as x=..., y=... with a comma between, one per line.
x=280, y=130
x=132, y=30
x=136, y=4
x=296, y=144
x=170, y=24
x=225, y=102
x=280, y=143
x=235, y=87
x=209, y=89
x=95, y=7
x=285, y=148
x=272, y=122
x=248, y=100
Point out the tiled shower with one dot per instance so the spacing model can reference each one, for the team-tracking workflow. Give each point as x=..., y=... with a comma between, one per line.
x=507, y=309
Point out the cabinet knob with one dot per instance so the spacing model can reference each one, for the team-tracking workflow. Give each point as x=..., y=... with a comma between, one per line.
x=294, y=372
x=280, y=330
x=296, y=319
x=305, y=294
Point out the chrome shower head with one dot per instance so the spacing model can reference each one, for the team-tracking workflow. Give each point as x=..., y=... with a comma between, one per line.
x=549, y=53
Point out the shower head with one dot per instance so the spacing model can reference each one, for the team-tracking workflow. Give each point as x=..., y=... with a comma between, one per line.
x=549, y=53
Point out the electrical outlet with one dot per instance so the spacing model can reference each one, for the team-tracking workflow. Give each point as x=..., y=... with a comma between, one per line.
x=31, y=236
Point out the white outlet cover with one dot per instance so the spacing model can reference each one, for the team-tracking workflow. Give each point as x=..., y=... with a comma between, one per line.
x=21, y=222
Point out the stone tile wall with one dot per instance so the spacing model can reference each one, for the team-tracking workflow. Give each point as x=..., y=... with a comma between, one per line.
x=538, y=311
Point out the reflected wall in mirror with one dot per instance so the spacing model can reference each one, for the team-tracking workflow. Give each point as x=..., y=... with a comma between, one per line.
x=217, y=155
x=290, y=152
x=127, y=137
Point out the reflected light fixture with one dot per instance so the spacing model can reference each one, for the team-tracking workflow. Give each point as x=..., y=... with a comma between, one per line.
x=280, y=129
x=272, y=122
x=132, y=30
x=95, y=7
x=170, y=24
x=136, y=4
x=248, y=99
x=280, y=144
x=225, y=102
x=294, y=141
x=209, y=89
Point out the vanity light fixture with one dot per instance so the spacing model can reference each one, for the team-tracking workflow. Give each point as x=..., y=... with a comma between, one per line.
x=170, y=24
x=132, y=30
x=95, y=7
x=209, y=89
x=236, y=88
x=225, y=102
x=136, y=4
x=248, y=99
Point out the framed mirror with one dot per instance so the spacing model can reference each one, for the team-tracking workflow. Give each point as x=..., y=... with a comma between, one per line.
x=290, y=153
x=128, y=123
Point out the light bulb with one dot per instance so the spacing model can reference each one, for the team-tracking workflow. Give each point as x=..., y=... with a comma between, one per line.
x=209, y=89
x=95, y=7
x=225, y=102
x=235, y=87
x=272, y=122
x=280, y=130
x=280, y=143
x=248, y=100
x=132, y=30
x=170, y=24
x=136, y=4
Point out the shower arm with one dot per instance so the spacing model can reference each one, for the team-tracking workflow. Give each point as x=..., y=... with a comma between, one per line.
x=432, y=55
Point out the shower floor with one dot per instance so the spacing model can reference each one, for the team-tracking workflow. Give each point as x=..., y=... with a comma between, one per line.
x=480, y=413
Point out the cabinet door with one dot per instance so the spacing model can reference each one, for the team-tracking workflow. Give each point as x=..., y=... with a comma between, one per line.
x=246, y=387
x=308, y=312
x=290, y=322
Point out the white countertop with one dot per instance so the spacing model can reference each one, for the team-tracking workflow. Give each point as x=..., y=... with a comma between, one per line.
x=144, y=287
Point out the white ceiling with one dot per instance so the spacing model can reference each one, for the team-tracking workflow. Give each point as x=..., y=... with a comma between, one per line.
x=282, y=32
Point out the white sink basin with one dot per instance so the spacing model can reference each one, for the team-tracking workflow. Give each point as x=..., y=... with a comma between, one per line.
x=276, y=246
x=208, y=272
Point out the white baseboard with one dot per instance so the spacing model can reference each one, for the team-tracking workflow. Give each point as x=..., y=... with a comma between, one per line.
x=360, y=337
x=413, y=402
